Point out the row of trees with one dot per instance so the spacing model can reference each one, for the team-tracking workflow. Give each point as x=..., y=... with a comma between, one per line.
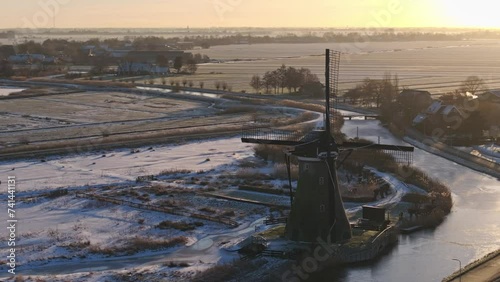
x=284, y=77
x=380, y=92
x=468, y=89
x=201, y=84
x=379, y=35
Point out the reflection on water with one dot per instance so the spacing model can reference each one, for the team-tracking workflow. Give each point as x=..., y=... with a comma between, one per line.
x=470, y=231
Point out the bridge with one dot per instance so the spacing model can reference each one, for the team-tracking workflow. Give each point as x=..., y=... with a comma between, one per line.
x=366, y=117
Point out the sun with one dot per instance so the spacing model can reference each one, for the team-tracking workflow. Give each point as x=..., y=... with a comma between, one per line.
x=466, y=13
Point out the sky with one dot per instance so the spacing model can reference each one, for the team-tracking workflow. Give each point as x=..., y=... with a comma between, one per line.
x=248, y=13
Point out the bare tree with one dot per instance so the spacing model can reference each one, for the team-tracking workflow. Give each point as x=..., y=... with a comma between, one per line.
x=191, y=84
x=191, y=66
x=217, y=85
x=184, y=82
x=255, y=83
x=224, y=86
x=178, y=63
x=202, y=84
x=472, y=84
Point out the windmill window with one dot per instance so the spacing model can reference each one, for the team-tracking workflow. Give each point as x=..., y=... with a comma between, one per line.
x=322, y=208
x=306, y=167
x=321, y=181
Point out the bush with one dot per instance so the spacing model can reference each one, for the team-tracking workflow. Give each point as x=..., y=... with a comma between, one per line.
x=57, y=193
x=137, y=244
x=208, y=210
x=174, y=171
x=179, y=225
x=272, y=153
x=415, y=198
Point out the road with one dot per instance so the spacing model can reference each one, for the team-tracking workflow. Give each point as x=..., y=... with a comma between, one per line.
x=488, y=271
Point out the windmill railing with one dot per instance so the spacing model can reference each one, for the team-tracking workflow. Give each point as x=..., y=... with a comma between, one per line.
x=263, y=135
x=399, y=154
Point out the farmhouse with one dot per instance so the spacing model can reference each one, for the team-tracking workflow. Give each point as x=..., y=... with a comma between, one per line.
x=437, y=115
x=418, y=97
x=492, y=96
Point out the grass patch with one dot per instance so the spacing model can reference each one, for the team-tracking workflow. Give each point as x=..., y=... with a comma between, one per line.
x=179, y=225
x=273, y=233
x=57, y=193
x=137, y=244
x=273, y=153
x=361, y=237
x=226, y=272
x=415, y=198
x=280, y=171
x=251, y=174
x=208, y=210
x=237, y=110
x=174, y=171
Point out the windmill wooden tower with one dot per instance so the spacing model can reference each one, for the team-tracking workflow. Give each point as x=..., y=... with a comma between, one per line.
x=317, y=210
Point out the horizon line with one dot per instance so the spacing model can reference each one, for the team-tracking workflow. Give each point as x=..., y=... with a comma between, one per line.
x=257, y=27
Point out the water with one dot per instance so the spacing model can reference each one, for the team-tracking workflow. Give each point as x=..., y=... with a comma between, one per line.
x=469, y=232
x=5, y=91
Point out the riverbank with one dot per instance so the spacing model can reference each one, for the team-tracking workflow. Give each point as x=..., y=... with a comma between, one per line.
x=426, y=143
x=486, y=269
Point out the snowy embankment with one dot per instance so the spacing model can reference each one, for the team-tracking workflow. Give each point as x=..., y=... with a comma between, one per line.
x=491, y=152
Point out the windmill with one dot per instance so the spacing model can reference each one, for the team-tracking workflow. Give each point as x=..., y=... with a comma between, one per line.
x=317, y=210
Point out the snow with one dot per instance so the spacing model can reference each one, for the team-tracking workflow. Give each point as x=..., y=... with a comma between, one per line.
x=123, y=166
x=5, y=91
x=50, y=226
x=490, y=152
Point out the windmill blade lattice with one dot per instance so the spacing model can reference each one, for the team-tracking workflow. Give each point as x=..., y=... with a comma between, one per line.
x=332, y=79
x=400, y=154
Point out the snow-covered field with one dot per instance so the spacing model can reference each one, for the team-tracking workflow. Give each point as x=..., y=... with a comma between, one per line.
x=55, y=235
x=122, y=165
x=73, y=235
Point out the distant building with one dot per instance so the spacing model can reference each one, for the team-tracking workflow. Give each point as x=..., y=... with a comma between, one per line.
x=437, y=114
x=412, y=102
x=6, y=51
x=8, y=34
x=185, y=45
x=492, y=96
x=418, y=97
x=31, y=59
x=130, y=68
x=152, y=56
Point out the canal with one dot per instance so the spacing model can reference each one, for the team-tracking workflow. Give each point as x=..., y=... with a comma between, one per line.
x=470, y=231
